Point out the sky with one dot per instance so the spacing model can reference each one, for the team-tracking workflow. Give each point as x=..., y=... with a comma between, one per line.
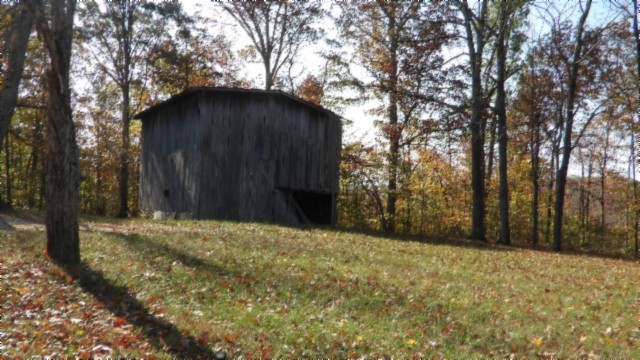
x=313, y=63
x=362, y=122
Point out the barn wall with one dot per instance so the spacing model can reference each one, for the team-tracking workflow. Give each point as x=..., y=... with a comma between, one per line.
x=169, y=163
x=238, y=156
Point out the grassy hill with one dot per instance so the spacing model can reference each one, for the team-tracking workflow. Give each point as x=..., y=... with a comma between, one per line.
x=184, y=288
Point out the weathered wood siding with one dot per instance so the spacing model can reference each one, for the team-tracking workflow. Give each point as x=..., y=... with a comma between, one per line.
x=233, y=155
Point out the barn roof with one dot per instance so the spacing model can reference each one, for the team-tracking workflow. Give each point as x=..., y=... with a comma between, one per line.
x=192, y=91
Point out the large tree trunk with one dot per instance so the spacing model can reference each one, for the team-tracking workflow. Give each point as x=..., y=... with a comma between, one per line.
x=7, y=175
x=588, y=201
x=561, y=182
x=603, y=176
x=16, y=40
x=493, y=128
x=501, y=107
x=63, y=174
x=635, y=189
x=636, y=36
x=535, y=178
x=125, y=87
x=268, y=78
x=124, y=155
x=561, y=176
x=583, y=232
x=475, y=48
x=394, y=129
x=550, y=184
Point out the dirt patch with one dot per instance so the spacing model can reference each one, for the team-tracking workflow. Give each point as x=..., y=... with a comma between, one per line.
x=12, y=220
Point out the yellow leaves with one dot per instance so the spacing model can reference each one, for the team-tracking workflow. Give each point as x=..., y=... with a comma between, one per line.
x=537, y=341
x=411, y=342
x=360, y=338
x=22, y=291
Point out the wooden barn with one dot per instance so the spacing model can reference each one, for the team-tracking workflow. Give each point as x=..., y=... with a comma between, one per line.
x=240, y=154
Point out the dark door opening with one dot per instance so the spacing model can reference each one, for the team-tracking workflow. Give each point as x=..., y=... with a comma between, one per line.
x=312, y=207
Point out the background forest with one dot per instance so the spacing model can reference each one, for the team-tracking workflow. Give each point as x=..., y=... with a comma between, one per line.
x=484, y=127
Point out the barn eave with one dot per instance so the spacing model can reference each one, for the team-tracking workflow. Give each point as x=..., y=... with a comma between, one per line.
x=191, y=91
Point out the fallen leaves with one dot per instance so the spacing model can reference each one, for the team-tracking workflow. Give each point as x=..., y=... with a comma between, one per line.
x=537, y=341
x=343, y=291
x=43, y=313
x=118, y=322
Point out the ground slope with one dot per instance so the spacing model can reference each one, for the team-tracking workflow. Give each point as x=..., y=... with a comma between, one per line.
x=192, y=288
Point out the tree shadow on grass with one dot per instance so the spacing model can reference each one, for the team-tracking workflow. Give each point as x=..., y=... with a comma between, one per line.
x=120, y=302
x=568, y=249
x=4, y=226
x=140, y=243
x=336, y=291
x=431, y=240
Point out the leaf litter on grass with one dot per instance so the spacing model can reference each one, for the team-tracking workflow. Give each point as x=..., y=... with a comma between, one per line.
x=44, y=313
x=264, y=290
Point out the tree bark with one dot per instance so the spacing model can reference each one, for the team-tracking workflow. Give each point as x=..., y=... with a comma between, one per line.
x=588, y=200
x=535, y=178
x=493, y=129
x=501, y=109
x=636, y=36
x=561, y=175
x=63, y=174
x=7, y=175
x=268, y=78
x=394, y=130
x=603, y=175
x=476, y=48
x=583, y=232
x=124, y=155
x=126, y=27
x=550, y=184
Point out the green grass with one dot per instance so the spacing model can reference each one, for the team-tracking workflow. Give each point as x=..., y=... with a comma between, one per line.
x=262, y=290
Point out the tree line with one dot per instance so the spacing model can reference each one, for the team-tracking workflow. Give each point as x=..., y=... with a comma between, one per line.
x=484, y=129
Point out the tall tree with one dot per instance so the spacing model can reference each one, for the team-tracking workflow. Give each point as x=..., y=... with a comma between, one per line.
x=15, y=42
x=476, y=36
x=573, y=66
x=636, y=36
x=278, y=29
x=530, y=103
x=505, y=15
x=118, y=41
x=55, y=24
x=398, y=45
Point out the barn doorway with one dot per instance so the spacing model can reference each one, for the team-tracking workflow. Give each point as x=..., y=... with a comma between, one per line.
x=311, y=207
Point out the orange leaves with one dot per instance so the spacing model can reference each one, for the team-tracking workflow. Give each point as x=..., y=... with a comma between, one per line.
x=118, y=321
x=265, y=353
x=203, y=338
x=22, y=291
x=229, y=338
x=225, y=284
x=127, y=340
